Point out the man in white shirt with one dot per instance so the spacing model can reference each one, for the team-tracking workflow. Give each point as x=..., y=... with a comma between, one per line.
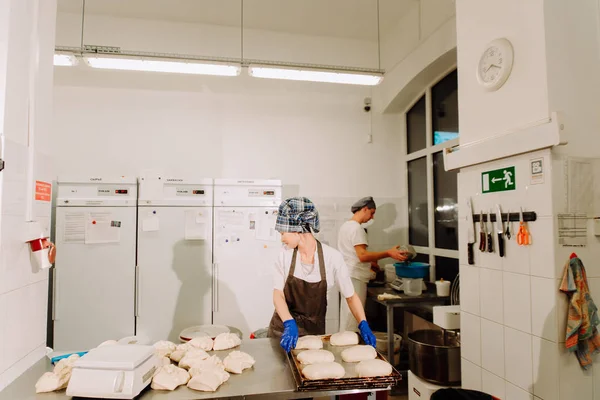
x=353, y=244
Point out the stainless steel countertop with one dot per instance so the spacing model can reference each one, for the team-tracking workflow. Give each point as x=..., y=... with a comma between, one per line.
x=270, y=378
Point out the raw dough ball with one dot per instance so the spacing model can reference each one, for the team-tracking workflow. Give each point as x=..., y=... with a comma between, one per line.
x=330, y=370
x=191, y=357
x=108, y=343
x=164, y=348
x=226, y=341
x=346, y=338
x=219, y=370
x=309, y=342
x=165, y=361
x=238, y=361
x=202, y=342
x=308, y=357
x=51, y=381
x=180, y=351
x=65, y=366
x=371, y=368
x=359, y=353
x=210, y=362
x=169, y=377
x=206, y=381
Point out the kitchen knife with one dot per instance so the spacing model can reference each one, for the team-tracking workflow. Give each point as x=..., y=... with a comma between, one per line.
x=500, y=230
x=481, y=232
x=490, y=240
x=470, y=233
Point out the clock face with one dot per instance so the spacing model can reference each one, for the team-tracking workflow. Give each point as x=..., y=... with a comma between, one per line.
x=491, y=64
x=495, y=64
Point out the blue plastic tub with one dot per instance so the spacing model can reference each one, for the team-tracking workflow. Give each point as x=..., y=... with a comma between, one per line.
x=413, y=270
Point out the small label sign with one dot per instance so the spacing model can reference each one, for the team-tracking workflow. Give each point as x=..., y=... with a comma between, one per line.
x=498, y=180
x=537, y=171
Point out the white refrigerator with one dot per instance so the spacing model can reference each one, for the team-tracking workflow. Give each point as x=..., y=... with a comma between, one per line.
x=174, y=264
x=246, y=246
x=94, y=286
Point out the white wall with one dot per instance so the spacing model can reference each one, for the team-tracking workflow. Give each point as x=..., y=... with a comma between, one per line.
x=23, y=288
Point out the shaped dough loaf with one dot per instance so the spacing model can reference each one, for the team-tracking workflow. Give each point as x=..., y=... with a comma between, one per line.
x=308, y=357
x=330, y=370
x=191, y=357
x=65, y=366
x=179, y=352
x=309, y=342
x=219, y=370
x=372, y=368
x=170, y=377
x=346, y=338
x=51, y=381
x=202, y=342
x=108, y=343
x=226, y=341
x=210, y=362
x=206, y=381
x=164, y=348
x=238, y=361
x=359, y=353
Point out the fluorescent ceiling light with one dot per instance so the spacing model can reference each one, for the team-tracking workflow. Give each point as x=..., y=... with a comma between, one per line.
x=315, y=75
x=64, y=60
x=133, y=64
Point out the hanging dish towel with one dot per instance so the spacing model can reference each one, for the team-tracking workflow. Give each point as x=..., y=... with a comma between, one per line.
x=582, y=335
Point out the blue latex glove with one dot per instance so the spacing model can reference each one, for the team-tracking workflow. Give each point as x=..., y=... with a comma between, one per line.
x=290, y=335
x=366, y=333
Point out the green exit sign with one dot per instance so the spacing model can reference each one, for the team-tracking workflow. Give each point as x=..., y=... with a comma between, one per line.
x=498, y=180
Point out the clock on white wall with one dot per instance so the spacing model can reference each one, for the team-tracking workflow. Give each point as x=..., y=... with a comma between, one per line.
x=495, y=64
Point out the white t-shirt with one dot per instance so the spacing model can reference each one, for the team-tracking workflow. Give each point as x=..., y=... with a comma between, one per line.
x=335, y=269
x=352, y=234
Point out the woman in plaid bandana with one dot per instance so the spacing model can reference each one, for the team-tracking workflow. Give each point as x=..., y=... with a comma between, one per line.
x=304, y=272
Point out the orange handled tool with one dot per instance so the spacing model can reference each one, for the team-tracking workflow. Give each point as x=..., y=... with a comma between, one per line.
x=523, y=234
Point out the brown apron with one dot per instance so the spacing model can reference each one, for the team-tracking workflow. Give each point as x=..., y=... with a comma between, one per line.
x=306, y=301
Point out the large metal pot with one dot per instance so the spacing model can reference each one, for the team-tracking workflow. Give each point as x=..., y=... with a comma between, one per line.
x=434, y=355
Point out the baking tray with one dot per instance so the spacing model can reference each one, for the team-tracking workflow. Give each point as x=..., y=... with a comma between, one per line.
x=349, y=381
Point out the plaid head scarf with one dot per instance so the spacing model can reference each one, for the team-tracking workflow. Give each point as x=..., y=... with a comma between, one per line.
x=297, y=215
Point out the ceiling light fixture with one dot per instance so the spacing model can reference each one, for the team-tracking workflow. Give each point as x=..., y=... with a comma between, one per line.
x=64, y=60
x=309, y=75
x=139, y=64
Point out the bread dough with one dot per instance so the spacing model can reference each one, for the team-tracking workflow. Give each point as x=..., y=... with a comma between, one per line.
x=179, y=352
x=238, y=361
x=165, y=361
x=226, y=341
x=191, y=357
x=202, y=342
x=206, y=381
x=170, y=377
x=330, y=370
x=210, y=362
x=347, y=338
x=108, y=343
x=359, y=353
x=371, y=368
x=308, y=357
x=164, y=348
x=309, y=342
x=51, y=381
x=65, y=366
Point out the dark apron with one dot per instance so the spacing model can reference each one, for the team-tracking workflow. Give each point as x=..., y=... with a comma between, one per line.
x=306, y=301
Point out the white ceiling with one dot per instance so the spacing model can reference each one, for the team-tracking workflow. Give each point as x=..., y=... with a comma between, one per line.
x=336, y=18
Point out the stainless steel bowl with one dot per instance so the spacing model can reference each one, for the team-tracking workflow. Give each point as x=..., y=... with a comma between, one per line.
x=434, y=355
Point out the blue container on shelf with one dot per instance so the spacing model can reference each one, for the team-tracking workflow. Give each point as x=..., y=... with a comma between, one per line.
x=414, y=270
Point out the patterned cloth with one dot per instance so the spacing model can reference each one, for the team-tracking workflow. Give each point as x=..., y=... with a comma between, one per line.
x=582, y=335
x=297, y=215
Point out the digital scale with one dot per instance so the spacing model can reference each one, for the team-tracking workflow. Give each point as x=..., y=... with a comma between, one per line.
x=113, y=372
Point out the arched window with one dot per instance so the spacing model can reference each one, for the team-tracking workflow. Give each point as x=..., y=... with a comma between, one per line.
x=432, y=125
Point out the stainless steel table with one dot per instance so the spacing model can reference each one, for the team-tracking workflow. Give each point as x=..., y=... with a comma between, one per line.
x=404, y=301
x=271, y=378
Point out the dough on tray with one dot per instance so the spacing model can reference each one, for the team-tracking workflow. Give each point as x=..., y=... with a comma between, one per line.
x=179, y=352
x=308, y=357
x=206, y=381
x=191, y=357
x=216, y=369
x=309, y=342
x=237, y=361
x=359, y=353
x=347, y=338
x=202, y=342
x=164, y=348
x=330, y=370
x=170, y=377
x=226, y=341
x=372, y=368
